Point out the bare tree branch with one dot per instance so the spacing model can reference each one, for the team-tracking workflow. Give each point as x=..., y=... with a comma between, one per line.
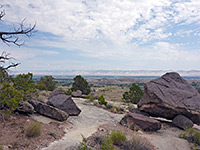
x=13, y=36
x=3, y=59
x=2, y=12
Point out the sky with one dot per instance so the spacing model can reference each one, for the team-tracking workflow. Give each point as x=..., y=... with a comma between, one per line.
x=106, y=34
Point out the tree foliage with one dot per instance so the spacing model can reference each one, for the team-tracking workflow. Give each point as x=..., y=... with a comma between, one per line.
x=81, y=84
x=134, y=94
x=25, y=84
x=102, y=100
x=47, y=83
x=9, y=96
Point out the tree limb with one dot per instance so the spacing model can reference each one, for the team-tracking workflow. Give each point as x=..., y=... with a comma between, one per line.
x=12, y=37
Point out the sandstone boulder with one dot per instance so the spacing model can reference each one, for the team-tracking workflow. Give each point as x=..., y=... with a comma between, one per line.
x=182, y=122
x=49, y=111
x=170, y=96
x=77, y=93
x=133, y=120
x=64, y=102
x=25, y=107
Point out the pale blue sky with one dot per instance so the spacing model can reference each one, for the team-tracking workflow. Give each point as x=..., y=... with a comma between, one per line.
x=106, y=34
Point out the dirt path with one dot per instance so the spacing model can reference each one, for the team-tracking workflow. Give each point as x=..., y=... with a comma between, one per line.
x=86, y=124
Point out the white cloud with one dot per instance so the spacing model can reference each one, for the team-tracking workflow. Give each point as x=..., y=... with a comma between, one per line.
x=112, y=29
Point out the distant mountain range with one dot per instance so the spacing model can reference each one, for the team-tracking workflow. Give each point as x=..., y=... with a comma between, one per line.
x=111, y=72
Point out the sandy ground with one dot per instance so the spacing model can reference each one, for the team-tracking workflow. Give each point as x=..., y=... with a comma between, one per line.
x=167, y=139
x=91, y=117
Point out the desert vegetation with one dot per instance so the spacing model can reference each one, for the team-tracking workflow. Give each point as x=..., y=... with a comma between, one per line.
x=116, y=140
x=193, y=136
x=134, y=94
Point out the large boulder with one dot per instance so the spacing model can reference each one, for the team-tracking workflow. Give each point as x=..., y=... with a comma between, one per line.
x=49, y=111
x=64, y=102
x=133, y=120
x=182, y=122
x=170, y=96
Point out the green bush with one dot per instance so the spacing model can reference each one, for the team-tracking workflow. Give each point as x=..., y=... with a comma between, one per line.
x=192, y=135
x=102, y=100
x=34, y=129
x=133, y=95
x=47, y=83
x=118, y=137
x=108, y=144
x=90, y=97
x=83, y=145
x=9, y=96
x=25, y=84
x=81, y=84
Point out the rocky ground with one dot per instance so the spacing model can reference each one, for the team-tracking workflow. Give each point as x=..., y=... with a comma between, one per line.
x=92, y=120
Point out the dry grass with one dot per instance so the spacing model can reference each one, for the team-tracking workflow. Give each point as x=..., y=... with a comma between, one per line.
x=34, y=129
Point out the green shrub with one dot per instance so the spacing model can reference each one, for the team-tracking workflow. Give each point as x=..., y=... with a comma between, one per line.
x=108, y=144
x=90, y=97
x=133, y=95
x=9, y=96
x=25, y=84
x=47, y=83
x=83, y=145
x=81, y=84
x=118, y=137
x=192, y=135
x=69, y=92
x=102, y=100
x=34, y=129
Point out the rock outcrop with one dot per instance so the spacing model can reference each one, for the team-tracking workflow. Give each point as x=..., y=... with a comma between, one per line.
x=133, y=120
x=182, y=122
x=25, y=107
x=49, y=111
x=170, y=96
x=64, y=102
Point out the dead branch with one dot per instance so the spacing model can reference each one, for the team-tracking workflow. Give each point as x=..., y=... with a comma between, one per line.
x=12, y=37
x=4, y=58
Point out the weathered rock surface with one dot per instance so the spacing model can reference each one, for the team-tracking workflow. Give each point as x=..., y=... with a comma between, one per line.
x=49, y=111
x=182, y=122
x=77, y=93
x=56, y=92
x=132, y=120
x=63, y=102
x=170, y=96
x=25, y=107
x=137, y=111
